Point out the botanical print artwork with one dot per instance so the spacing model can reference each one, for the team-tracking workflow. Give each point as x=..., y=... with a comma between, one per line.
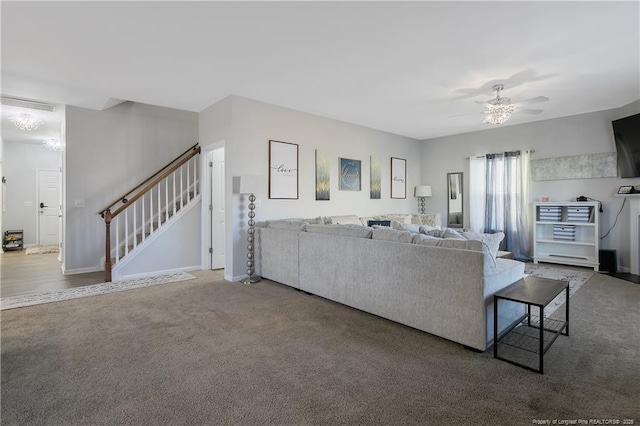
x=398, y=178
x=323, y=175
x=283, y=170
x=376, y=182
x=350, y=174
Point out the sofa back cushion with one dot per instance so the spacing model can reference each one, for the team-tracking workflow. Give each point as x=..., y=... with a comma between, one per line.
x=388, y=234
x=356, y=231
x=287, y=224
x=426, y=240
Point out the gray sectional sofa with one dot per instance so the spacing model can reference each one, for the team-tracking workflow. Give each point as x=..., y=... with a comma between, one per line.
x=420, y=275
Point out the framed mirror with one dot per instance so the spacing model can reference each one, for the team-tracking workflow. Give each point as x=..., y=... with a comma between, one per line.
x=455, y=193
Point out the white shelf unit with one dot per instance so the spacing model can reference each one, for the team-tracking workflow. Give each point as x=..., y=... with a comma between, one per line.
x=583, y=250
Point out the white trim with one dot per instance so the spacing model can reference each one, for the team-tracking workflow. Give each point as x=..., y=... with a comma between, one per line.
x=155, y=273
x=205, y=188
x=234, y=278
x=80, y=270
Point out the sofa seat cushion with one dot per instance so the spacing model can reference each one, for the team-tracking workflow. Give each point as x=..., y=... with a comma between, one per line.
x=356, y=231
x=506, y=272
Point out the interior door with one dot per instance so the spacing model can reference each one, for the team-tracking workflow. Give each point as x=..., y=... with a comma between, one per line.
x=49, y=184
x=218, y=236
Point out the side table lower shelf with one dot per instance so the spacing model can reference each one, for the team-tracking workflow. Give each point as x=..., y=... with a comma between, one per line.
x=532, y=335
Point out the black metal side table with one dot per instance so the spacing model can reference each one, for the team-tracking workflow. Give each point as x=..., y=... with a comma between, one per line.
x=532, y=334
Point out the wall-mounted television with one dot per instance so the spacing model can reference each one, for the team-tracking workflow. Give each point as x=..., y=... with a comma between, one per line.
x=626, y=132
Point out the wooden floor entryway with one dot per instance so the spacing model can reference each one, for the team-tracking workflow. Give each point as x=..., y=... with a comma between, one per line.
x=21, y=274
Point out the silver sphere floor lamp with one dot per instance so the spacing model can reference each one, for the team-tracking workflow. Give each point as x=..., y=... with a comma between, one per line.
x=422, y=192
x=250, y=185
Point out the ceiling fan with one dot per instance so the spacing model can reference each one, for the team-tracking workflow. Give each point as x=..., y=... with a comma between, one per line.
x=499, y=109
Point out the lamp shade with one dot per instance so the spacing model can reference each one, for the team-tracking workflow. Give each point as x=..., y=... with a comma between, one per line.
x=422, y=191
x=249, y=184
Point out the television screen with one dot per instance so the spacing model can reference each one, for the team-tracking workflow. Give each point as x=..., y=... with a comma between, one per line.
x=626, y=132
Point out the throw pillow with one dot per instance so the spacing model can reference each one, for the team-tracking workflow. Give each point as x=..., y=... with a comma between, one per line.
x=426, y=219
x=400, y=226
x=345, y=220
x=492, y=240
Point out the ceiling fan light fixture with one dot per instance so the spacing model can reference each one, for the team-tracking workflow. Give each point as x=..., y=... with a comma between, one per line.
x=53, y=144
x=498, y=114
x=499, y=109
x=24, y=121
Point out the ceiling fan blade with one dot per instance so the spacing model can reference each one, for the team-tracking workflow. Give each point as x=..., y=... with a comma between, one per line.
x=530, y=111
x=481, y=102
x=469, y=113
x=535, y=100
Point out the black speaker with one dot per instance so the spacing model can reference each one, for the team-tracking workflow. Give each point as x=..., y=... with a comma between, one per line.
x=608, y=261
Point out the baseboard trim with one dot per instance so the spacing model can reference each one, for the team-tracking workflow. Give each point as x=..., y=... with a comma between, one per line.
x=66, y=271
x=154, y=273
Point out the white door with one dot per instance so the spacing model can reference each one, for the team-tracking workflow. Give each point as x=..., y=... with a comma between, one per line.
x=216, y=161
x=49, y=207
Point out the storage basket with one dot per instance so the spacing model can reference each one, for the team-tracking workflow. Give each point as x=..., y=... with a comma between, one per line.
x=550, y=213
x=579, y=214
x=564, y=232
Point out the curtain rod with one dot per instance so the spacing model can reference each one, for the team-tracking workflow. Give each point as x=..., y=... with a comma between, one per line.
x=477, y=157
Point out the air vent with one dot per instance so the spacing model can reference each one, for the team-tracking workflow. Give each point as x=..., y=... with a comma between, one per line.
x=25, y=103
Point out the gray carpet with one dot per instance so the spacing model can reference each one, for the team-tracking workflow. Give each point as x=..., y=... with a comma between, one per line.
x=214, y=352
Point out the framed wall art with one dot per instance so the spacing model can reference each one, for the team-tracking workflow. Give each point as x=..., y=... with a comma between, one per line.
x=350, y=174
x=283, y=170
x=376, y=184
x=398, y=178
x=323, y=176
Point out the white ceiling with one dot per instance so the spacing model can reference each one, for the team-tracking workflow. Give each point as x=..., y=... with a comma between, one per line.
x=410, y=68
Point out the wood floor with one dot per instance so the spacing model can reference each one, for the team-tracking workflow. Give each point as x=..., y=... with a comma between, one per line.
x=21, y=274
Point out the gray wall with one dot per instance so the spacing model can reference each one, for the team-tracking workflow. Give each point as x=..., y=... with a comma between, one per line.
x=253, y=124
x=580, y=134
x=20, y=167
x=107, y=153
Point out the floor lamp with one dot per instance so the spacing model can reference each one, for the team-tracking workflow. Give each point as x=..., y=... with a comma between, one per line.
x=250, y=185
x=422, y=192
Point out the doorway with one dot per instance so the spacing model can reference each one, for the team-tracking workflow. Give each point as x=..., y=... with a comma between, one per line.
x=49, y=207
x=214, y=221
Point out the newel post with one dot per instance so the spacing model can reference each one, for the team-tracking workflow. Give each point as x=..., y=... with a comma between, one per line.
x=107, y=257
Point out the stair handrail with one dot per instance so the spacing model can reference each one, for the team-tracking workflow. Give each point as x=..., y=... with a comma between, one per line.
x=159, y=176
x=195, y=149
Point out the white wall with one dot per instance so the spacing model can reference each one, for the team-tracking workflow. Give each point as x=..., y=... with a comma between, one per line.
x=581, y=134
x=108, y=153
x=20, y=167
x=254, y=123
x=177, y=248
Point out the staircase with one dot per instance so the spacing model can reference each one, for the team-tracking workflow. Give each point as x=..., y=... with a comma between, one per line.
x=141, y=215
